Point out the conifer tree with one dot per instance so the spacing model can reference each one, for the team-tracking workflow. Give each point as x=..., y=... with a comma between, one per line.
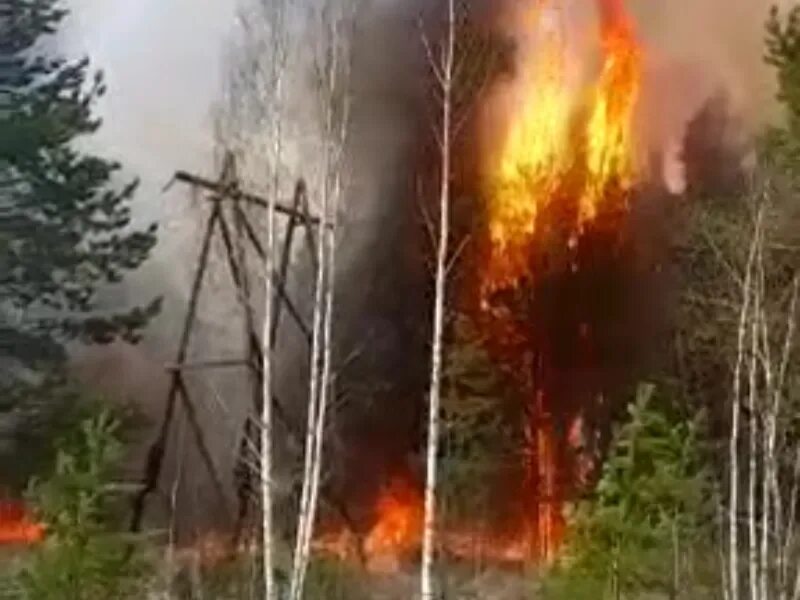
x=783, y=54
x=65, y=225
x=649, y=508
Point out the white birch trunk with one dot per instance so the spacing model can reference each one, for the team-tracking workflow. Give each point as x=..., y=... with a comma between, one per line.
x=752, y=466
x=313, y=399
x=304, y=524
x=766, y=408
x=733, y=449
x=320, y=370
x=753, y=420
x=429, y=526
x=266, y=467
x=266, y=407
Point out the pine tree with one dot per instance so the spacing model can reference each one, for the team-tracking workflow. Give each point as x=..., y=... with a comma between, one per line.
x=783, y=54
x=480, y=435
x=65, y=228
x=83, y=557
x=649, y=507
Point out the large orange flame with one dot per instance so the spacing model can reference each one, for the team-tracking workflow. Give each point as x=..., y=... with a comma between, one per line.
x=526, y=171
x=557, y=148
x=558, y=166
x=540, y=149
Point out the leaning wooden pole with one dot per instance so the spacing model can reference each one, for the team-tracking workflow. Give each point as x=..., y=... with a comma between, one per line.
x=155, y=456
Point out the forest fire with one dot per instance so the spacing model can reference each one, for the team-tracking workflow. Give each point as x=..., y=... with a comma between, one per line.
x=553, y=184
x=16, y=526
x=562, y=171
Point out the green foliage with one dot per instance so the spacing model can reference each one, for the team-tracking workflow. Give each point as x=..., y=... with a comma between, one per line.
x=65, y=227
x=334, y=579
x=479, y=435
x=82, y=558
x=37, y=413
x=783, y=54
x=647, y=512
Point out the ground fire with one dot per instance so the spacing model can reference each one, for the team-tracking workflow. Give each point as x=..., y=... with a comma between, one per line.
x=16, y=525
x=555, y=183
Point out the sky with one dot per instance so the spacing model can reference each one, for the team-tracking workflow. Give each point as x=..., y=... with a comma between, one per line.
x=162, y=61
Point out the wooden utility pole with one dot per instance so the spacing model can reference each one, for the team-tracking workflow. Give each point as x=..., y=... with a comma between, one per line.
x=228, y=201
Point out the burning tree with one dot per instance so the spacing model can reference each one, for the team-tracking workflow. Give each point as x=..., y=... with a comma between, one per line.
x=556, y=185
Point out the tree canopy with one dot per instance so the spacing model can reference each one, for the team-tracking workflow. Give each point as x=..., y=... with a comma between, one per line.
x=65, y=220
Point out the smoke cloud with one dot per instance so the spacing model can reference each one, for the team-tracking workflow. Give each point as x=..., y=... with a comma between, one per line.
x=696, y=50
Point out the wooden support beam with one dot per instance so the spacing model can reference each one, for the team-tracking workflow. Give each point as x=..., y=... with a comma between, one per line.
x=237, y=276
x=234, y=193
x=285, y=259
x=155, y=455
x=208, y=364
x=200, y=440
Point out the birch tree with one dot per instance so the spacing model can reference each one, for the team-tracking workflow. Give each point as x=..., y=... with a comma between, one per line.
x=276, y=13
x=332, y=67
x=766, y=466
x=250, y=123
x=462, y=66
x=443, y=69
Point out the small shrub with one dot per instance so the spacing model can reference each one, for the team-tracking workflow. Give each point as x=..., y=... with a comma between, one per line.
x=82, y=556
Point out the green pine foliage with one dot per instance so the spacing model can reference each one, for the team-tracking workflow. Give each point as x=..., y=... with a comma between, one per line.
x=481, y=436
x=648, y=512
x=65, y=226
x=82, y=556
x=783, y=54
x=38, y=414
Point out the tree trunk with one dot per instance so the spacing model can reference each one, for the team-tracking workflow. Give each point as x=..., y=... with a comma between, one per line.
x=266, y=467
x=322, y=342
x=428, y=538
x=733, y=449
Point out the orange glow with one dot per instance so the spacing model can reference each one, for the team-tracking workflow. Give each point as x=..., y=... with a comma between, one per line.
x=609, y=130
x=398, y=527
x=395, y=536
x=16, y=526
